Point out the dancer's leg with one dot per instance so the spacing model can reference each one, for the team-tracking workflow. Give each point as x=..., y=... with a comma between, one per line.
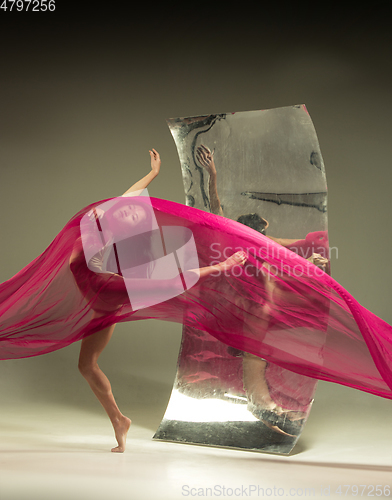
x=255, y=384
x=90, y=350
x=254, y=368
x=93, y=345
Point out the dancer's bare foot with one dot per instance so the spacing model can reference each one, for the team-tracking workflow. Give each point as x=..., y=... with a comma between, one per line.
x=121, y=428
x=265, y=402
x=237, y=259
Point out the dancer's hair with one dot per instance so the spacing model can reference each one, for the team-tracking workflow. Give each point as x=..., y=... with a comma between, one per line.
x=254, y=221
x=134, y=249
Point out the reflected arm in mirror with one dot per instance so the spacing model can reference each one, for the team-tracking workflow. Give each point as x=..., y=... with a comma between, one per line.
x=145, y=181
x=285, y=242
x=319, y=261
x=206, y=159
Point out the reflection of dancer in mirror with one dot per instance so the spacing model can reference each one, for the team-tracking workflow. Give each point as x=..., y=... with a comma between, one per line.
x=126, y=217
x=206, y=159
x=254, y=368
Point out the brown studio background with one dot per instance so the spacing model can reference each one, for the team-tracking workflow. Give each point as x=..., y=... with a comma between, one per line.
x=85, y=95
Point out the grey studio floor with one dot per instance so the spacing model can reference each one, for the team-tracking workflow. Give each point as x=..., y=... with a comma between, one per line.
x=55, y=441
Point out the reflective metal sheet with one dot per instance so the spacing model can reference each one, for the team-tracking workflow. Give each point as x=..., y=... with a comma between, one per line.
x=264, y=169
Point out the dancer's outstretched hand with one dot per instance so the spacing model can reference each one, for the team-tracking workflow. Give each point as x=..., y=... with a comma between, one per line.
x=155, y=161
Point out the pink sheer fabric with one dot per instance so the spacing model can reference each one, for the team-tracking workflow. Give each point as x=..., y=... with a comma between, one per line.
x=278, y=306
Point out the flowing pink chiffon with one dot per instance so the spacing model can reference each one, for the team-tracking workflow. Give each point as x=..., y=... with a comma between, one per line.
x=278, y=306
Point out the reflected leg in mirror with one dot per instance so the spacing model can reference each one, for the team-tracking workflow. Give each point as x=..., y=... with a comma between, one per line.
x=260, y=403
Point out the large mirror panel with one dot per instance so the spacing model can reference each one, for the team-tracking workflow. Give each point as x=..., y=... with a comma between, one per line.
x=263, y=169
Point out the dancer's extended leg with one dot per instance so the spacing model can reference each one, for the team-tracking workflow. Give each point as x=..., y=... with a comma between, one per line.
x=91, y=348
x=255, y=384
x=93, y=345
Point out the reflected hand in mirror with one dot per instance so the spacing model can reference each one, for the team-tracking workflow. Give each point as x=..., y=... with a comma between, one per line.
x=206, y=160
x=318, y=260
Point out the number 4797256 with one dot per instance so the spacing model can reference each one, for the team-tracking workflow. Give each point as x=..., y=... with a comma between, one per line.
x=28, y=5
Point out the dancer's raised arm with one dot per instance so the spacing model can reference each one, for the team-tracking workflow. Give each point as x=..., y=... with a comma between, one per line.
x=145, y=181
